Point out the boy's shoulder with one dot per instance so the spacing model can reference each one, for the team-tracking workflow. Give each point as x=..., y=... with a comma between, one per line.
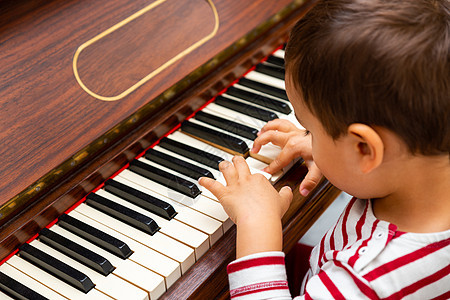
x=359, y=236
x=374, y=252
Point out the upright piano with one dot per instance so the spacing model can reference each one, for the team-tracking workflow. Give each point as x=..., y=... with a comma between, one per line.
x=93, y=90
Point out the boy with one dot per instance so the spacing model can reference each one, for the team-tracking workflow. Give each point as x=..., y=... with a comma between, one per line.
x=368, y=79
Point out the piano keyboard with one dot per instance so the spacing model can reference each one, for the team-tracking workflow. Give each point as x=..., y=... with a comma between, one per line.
x=144, y=228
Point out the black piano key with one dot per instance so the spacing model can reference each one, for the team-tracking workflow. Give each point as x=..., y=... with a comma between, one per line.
x=146, y=201
x=177, y=164
x=247, y=109
x=75, y=251
x=264, y=88
x=16, y=290
x=56, y=267
x=123, y=213
x=166, y=179
x=275, y=60
x=203, y=157
x=271, y=70
x=230, y=126
x=280, y=106
x=216, y=137
x=95, y=236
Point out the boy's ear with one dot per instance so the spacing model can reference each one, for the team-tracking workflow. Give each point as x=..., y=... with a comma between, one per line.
x=368, y=146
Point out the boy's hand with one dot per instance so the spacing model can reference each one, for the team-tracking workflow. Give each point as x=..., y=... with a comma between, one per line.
x=247, y=195
x=294, y=143
x=253, y=205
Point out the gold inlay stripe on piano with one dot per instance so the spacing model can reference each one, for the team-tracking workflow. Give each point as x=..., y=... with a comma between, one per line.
x=76, y=59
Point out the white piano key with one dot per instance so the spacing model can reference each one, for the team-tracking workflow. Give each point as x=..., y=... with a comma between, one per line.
x=111, y=285
x=31, y=283
x=159, y=242
x=200, y=203
x=173, y=228
x=279, y=53
x=52, y=282
x=266, y=79
x=259, y=165
x=124, y=268
x=142, y=254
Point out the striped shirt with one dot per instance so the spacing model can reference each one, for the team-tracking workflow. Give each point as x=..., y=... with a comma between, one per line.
x=361, y=257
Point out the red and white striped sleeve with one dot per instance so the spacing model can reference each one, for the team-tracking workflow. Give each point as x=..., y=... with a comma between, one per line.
x=263, y=276
x=259, y=276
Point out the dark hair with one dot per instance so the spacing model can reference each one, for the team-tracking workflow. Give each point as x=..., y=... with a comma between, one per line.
x=377, y=62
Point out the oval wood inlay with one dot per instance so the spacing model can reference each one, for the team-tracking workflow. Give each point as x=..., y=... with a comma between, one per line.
x=124, y=57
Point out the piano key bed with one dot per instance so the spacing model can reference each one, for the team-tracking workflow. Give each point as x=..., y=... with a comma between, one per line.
x=136, y=235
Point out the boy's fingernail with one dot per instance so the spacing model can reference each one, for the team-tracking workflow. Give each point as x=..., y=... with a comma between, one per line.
x=304, y=192
x=224, y=164
x=287, y=187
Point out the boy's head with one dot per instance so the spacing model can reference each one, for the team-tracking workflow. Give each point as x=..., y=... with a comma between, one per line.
x=382, y=63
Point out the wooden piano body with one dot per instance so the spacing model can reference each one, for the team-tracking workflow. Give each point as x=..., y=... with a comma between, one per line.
x=85, y=86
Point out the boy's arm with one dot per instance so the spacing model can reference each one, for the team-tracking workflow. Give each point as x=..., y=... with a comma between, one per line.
x=253, y=205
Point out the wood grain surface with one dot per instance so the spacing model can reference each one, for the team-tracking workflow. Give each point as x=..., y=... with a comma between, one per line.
x=45, y=116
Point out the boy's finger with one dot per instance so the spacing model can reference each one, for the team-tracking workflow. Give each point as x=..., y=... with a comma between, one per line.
x=274, y=137
x=282, y=160
x=278, y=124
x=286, y=195
x=213, y=186
x=260, y=141
x=229, y=172
x=241, y=166
x=311, y=179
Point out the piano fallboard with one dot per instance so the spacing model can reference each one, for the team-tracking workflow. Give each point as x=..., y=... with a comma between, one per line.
x=59, y=57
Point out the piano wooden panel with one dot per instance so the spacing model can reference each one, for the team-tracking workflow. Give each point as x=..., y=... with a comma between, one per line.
x=47, y=117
